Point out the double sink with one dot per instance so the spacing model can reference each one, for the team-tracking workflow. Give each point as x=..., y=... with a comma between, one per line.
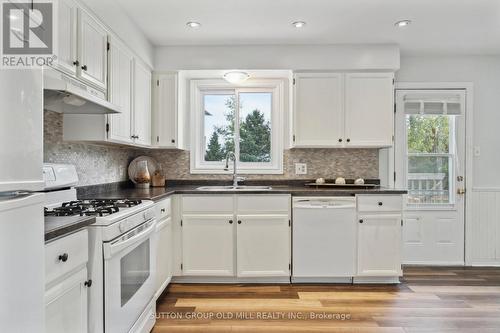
x=234, y=188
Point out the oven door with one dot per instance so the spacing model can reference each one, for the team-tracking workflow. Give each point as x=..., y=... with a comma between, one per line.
x=129, y=276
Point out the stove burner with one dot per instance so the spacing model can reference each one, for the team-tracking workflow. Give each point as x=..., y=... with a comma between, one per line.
x=97, y=207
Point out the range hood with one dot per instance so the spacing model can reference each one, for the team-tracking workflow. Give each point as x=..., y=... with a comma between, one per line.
x=64, y=94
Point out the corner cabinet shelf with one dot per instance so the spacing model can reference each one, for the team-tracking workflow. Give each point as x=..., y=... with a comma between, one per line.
x=343, y=110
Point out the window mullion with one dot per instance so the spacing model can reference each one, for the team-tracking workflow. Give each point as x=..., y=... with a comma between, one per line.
x=237, y=126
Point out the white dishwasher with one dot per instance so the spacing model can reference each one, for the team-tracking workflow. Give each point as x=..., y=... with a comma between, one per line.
x=324, y=239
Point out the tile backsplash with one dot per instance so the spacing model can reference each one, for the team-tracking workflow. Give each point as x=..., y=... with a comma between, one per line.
x=97, y=164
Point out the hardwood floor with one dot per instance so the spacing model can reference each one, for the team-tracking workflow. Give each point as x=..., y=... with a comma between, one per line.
x=429, y=300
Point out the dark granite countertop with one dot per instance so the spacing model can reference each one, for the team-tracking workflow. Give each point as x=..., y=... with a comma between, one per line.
x=157, y=193
x=57, y=226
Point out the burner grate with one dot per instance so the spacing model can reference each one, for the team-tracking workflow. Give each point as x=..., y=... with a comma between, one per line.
x=95, y=207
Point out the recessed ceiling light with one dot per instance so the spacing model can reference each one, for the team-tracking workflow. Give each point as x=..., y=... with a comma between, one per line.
x=193, y=24
x=402, y=23
x=299, y=24
x=236, y=77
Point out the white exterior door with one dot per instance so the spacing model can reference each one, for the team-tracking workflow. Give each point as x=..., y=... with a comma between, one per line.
x=263, y=245
x=430, y=162
x=120, y=92
x=378, y=236
x=208, y=245
x=319, y=110
x=369, y=109
x=142, y=104
x=66, y=37
x=92, y=48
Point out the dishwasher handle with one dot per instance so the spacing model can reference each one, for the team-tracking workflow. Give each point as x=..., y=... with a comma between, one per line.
x=324, y=204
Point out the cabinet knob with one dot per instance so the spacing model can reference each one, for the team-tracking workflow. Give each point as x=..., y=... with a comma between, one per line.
x=230, y=221
x=88, y=283
x=63, y=257
x=173, y=140
x=380, y=203
x=348, y=140
x=76, y=63
x=84, y=67
x=162, y=210
x=340, y=140
x=239, y=221
x=361, y=221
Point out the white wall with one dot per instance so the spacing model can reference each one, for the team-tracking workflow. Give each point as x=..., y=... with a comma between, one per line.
x=484, y=73
x=120, y=23
x=294, y=57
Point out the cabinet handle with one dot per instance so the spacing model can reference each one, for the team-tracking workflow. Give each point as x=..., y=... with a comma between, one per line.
x=340, y=140
x=348, y=140
x=173, y=140
x=361, y=221
x=230, y=221
x=76, y=63
x=63, y=257
x=84, y=67
x=239, y=221
x=380, y=203
x=162, y=210
x=88, y=283
x=135, y=137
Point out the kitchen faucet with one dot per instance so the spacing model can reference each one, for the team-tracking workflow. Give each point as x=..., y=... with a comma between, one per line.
x=236, y=179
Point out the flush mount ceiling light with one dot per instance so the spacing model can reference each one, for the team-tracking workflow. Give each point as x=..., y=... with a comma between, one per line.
x=299, y=24
x=236, y=76
x=193, y=24
x=402, y=23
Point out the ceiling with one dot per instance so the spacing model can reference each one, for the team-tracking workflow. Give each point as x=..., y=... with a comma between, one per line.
x=439, y=26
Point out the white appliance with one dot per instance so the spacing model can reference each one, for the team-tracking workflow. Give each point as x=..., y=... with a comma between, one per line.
x=22, y=282
x=64, y=94
x=122, y=253
x=324, y=239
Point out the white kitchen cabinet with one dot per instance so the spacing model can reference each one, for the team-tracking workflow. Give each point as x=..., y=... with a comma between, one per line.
x=66, y=305
x=208, y=245
x=350, y=110
x=164, y=254
x=121, y=63
x=319, y=114
x=66, y=52
x=369, y=109
x=165, y=112
x=92, y=50
x=263, y=245
x=379, y=245
x=142, y=104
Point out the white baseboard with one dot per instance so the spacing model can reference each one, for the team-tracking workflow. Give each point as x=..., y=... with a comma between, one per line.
x=216, y=279
x=322, y=280
x=376, y=280
x=434, y=263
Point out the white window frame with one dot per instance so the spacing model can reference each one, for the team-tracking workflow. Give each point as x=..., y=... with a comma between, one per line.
x=198, y=88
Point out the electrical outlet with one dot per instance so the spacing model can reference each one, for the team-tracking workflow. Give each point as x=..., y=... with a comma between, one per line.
x=300, y=168
x=477, y=151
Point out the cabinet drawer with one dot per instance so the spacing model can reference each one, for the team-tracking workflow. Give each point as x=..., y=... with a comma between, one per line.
x=379, y=203
x=263, y=204
x=163, y=209
x=207, y=204
x=65, y=254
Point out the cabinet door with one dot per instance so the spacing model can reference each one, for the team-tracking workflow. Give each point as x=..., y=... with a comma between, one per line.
x=66, y=37
x=92, y=49
x=318, y=120
x=369, y=110
x=164, y=253
x=263, y=246
x=208, y=245
x=165, y=111
x=66, y=305
x=379, y=245
x=119, y=92
x=142, y=104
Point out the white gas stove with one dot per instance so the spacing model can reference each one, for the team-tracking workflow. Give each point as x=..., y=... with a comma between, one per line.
x=122, y=256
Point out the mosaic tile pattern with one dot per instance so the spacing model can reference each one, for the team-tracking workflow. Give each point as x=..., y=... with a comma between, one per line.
x=97, y=164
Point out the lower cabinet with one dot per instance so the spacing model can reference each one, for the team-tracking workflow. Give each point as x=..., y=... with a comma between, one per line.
x=163, y=254
x=263, y=245
x=379, y=245
x=208, y=245
x=66, y=305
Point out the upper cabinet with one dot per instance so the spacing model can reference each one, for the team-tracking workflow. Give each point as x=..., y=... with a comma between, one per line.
x=165, y=111
x=92, y=50
x=81, y=45
x=142, y=104
x=336, y=110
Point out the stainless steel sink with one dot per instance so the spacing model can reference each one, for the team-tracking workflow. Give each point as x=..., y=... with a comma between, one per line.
x=234, y=188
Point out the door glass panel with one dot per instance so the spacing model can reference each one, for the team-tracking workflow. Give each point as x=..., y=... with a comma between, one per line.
x=219, y=119
x=134, y=271
x=430, y=159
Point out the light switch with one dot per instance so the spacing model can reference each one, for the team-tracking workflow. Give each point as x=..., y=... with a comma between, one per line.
x=300, y=168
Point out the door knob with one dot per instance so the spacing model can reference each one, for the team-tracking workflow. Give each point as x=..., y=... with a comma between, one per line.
x=461, y=191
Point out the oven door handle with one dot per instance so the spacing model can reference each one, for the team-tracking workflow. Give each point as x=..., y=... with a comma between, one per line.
x=112, y=248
